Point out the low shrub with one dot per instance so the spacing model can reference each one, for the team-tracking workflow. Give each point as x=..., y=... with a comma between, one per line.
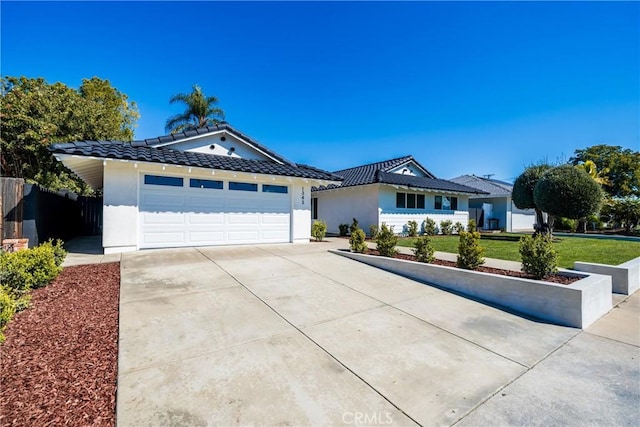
x=566, y=224
x=373, y=231
x=472, y=227
x=356, y=241
x=423, y=249
x=344, y=229
x=412, y=228
x=7, y=310
x=319, y=230
x=32, y=268
x=445, y=227
x=430, y=227
x=458, y=227
x=354, y=226
x=386, y=241
x=59, y=253
x=539, y=258
x=469, y=251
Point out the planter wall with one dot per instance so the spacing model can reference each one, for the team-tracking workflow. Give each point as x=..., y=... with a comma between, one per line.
x=625, y=277
x=577, y=305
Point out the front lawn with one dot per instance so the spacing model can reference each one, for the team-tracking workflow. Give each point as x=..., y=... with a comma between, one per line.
x=570, y=249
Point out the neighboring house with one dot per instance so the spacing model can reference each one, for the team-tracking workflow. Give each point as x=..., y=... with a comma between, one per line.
x=495, y=210
x=211, y=186
x=393, y=192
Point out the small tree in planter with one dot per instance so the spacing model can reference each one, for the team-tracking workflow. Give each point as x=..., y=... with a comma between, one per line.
x=469, y=251
x=354, y=226
x=458, y=227
x=472, y=227
x=319, y=230
x=423, y=249
x=344, y=229
x=373, y=231
x=356, y=241
x=430, y=227
x=445, y=227
x=412, y=228
x=386, y=241
x=539, y=258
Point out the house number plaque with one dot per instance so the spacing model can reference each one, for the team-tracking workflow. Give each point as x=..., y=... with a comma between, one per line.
x=302, y=196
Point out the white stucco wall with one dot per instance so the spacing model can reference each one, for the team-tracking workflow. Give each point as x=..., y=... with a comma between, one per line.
x=340, y=206
x=301, y=214
x=398, y=218
x=120, y=207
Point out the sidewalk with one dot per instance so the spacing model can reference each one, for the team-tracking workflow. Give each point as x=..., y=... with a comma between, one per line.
x=87, y=250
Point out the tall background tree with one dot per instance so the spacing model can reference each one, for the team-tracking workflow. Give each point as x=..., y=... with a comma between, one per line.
x=35, y=114
x=619, y=167
x=201, y=111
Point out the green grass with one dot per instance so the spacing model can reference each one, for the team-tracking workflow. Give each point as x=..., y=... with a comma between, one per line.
x=570, y=249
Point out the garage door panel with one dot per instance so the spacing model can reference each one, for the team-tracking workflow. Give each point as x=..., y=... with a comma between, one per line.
x=206, y=219
x=159, y=200
x=279, y=219
x=206, y=236
x=164, y=238
x=244, y=219
x=186, y=216
x=243, y=236
x=163, y=218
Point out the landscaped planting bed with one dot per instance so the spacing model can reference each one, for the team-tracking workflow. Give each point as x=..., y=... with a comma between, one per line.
x=59, y=361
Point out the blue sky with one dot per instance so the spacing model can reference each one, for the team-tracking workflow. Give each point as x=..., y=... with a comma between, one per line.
x=478, y=87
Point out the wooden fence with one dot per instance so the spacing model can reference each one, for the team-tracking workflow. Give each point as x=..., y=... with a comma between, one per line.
x=32, y=212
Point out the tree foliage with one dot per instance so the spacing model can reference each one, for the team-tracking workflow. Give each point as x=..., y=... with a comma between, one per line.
x=624, y=211
x=201, y=111
x=522, y=193
x=619, y=168
x=568, y=192
x=35, y=114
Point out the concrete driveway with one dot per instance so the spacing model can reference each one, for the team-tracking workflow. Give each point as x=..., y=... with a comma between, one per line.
x=293, y=335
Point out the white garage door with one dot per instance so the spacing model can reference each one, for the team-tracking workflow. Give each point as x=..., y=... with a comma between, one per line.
x=183, y=211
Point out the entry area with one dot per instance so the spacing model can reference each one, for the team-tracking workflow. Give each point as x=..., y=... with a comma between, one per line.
x=177, y=211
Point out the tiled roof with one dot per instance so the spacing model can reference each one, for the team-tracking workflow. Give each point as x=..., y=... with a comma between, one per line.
x=379, y=173
x=223, y=126
x=491, y=186
x=421, y=182
x=145, y=153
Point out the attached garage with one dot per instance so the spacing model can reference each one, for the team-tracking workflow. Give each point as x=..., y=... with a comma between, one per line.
x=181, y=211
x=211, y=186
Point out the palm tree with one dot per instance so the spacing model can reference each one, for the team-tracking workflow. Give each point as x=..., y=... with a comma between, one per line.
x=201, y=111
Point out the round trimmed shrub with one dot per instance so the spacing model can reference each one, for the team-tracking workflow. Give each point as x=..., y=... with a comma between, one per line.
x=569, y=192
x=356, y=241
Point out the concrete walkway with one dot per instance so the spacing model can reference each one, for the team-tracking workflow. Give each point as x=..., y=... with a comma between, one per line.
x=293, y=335
x=87, y=250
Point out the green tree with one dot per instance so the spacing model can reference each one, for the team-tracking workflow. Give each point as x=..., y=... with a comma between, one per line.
x=619, y=168
x=568, y=192
x=624, y=211
x=522, y=193
x=35, y=114
x=201, y=111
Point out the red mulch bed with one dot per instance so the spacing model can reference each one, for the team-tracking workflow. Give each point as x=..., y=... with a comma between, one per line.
x=59, y=362
x=555, y=278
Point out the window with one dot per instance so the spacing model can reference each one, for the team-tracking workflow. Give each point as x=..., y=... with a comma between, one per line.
x=314, y=208
x=243, y=186
x=282, y=189
x=446, y=203
x=171, y=181
x=205, y=183
x=409, y=201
